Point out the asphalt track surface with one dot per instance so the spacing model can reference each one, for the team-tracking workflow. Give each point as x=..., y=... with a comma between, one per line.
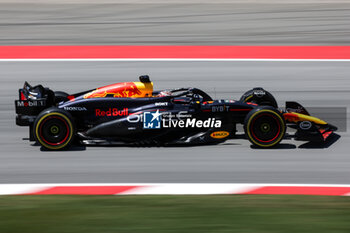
x=272, y=23
x=312, y=83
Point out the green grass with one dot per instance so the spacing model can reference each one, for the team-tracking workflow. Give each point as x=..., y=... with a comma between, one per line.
x=221, y=213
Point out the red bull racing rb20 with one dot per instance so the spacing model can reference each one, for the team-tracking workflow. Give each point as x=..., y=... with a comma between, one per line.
x=131, y=113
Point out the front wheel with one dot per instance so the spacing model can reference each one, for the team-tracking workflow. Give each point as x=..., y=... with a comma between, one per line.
x=264, y=126
x=54, y=129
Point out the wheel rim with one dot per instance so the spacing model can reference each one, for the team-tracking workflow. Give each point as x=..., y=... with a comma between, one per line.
x=265, y=128
x=54, y=130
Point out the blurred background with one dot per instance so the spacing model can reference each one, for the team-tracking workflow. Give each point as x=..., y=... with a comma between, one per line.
x=175, y=22
x=315, y=84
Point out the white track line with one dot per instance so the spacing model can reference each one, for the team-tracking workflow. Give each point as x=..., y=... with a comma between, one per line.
x=167, y=189
x=175, y=184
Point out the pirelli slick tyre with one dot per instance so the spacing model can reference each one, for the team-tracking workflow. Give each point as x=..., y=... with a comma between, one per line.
x=264, y=126
x=54, y=129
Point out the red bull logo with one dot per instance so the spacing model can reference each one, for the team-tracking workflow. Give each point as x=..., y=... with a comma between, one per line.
x=112, y=112
x=127, y=89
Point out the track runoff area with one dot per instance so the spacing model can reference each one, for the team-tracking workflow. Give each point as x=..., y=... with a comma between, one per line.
x=169, y=53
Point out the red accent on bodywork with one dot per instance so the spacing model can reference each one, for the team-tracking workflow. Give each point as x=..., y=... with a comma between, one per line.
x=291, y=117
x=326, y=134
x=135, y=113
x=23, y=96
x=71, y=97
x=250, y=103
x=151, y=110
x=127, y=89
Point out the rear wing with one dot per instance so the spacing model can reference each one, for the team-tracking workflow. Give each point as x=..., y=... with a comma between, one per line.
x=32, y=100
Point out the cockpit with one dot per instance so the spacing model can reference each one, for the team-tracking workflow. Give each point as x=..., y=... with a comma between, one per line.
x=144, y=89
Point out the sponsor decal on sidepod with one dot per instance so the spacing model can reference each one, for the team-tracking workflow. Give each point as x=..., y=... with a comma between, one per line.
x=155, y=120
x=193, y=123
x=219, y=134
x=112, y=112
x=152, y=120
x=75, y=108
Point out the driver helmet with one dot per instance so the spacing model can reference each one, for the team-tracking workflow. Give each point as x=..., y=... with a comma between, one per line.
x=164, y=93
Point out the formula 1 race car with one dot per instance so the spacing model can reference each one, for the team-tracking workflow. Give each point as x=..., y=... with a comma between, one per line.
x=131, y=113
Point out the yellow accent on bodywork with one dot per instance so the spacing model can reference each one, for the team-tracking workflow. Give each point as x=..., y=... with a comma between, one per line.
x=297, y=117
x=126, y=89
x=145, y=88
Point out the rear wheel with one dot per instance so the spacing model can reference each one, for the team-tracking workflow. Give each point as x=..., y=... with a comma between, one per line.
x=264, y=127
x=54, y=129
